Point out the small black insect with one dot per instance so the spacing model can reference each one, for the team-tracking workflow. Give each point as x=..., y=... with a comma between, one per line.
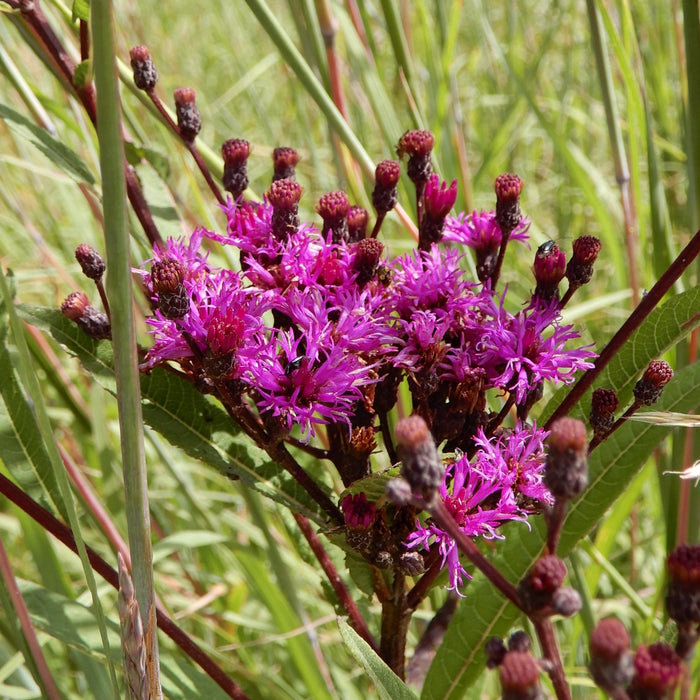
x=546, y=248
x=293, y=364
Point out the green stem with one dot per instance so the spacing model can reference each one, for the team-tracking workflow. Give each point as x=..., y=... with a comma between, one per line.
x=119, y=293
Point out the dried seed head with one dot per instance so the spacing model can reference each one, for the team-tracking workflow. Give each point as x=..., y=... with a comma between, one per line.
x=189, y=120
x=145, y=73
x=91, y=262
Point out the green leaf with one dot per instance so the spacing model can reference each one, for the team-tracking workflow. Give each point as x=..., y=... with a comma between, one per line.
x=183, y=416
x=56, y=151
x=484, y=612
x=82, y=74
x=81, y=10
x=387, y=683
x=665, y=326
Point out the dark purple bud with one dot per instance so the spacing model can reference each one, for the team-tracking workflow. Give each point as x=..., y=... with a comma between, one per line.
x=284, y=195
x=235, y=153
x=189, y=120
x=90, y=320
x=508, y=188
x=520, y=676
x=683, y=596
x=368, y=252
x=145, y=73
x=649, y=388
x=91, y=262
x=612, y=665
x=417, y=144
x=566, y=467
x=333, y=208
x=357, y=224
x=604, y=403
x=495, y=652
x=519, y=641
x=657, y=671
x=284, y=162
x=386, y=177
x=421, y=464
x=541, y=582
x=579, y=269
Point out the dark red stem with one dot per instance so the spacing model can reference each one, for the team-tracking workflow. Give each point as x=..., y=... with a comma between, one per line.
x=356, y=620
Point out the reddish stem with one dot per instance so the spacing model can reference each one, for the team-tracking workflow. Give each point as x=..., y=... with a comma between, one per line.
x=356, y=620
x=550, y=648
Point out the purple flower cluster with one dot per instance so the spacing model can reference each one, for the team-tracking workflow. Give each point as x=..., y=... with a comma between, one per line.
x=320, y=327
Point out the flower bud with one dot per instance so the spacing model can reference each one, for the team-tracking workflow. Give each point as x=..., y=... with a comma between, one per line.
x=359, y=519
x=612, y=665
x=91, y=262
x=657, y=671
x=386, y=177
x=520, y=676
x=519, y=641
x=649, y=388
x=90, y=320
x=145, y=73
x=508, y=188
x=417, y=144
x=421, y=464
x=235, y=153
x=549, y=268
x=333, y=208
x=495, y=652
x=189, y=120
x=683, y=596
x=284, y=195
x=368, y=253
x=604, y=403
x=438, y=199
x=166, y=279
x=541, y=582
x=579, y=269
x=566, y=467
x=284, y=162
x=357, y=224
